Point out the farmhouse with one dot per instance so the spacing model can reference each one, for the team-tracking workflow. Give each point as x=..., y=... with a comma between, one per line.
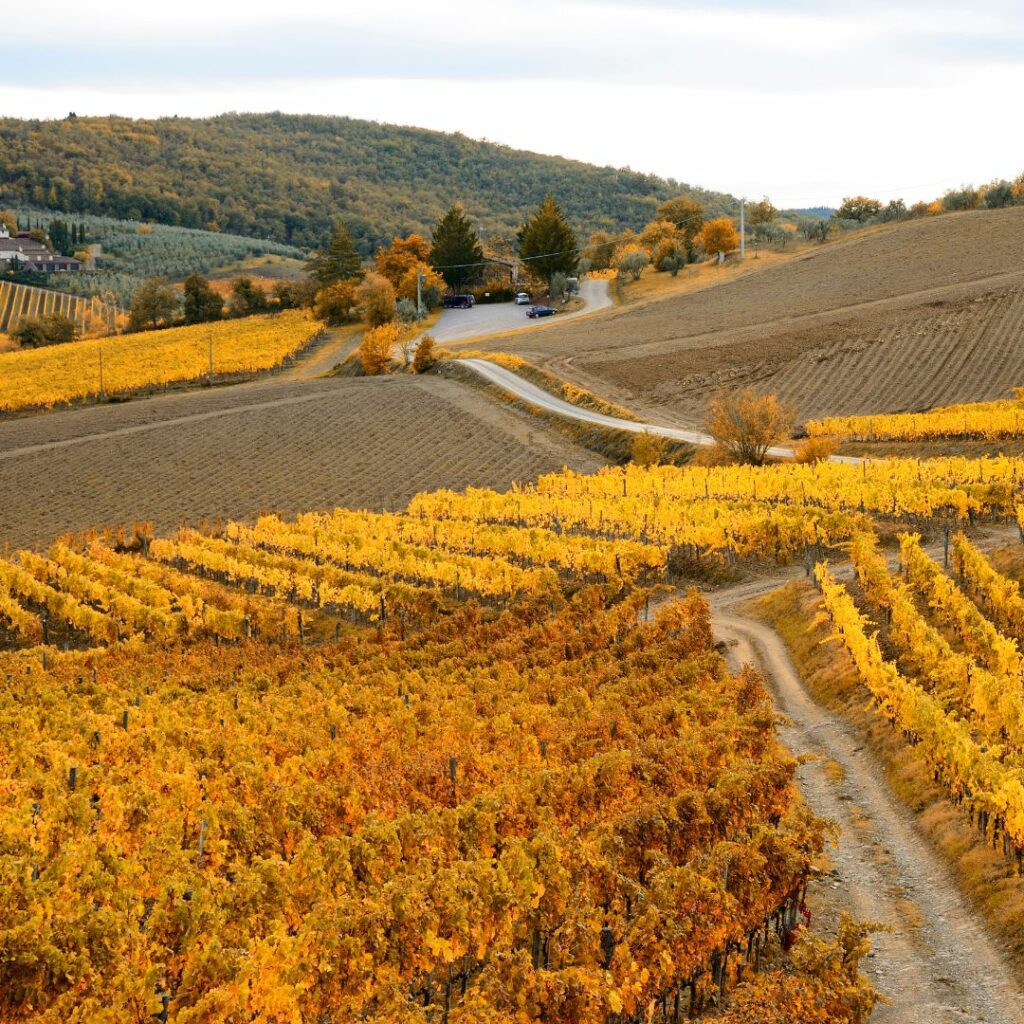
x=28, y=254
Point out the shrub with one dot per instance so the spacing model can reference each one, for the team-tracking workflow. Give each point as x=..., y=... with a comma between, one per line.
x=336, y=303
x=746, y=424
x=999, y=194
x=425, y=355
x=815, y=449
x=406, y=311
x=375, y=298
x=376, y=350
x=632, y=261
x=48, y=329
x=967, y=198
x=816, y=229
x=648, y=449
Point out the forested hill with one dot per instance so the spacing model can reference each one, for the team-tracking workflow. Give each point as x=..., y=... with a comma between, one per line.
x=288, y=177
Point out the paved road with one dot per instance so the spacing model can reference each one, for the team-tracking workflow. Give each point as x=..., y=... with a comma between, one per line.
x=515, y=384
x=458, y=324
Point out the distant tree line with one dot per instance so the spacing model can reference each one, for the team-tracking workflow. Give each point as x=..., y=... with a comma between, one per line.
x=291, y=178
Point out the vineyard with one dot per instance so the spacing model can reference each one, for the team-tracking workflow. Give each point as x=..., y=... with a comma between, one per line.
x=388, y=767
x=84, y=370
x=944, y=672
x=92, y=315
x=449, y=765
x=989, y=421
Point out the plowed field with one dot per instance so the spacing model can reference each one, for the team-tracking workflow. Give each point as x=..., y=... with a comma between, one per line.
x=279, y=446
x=900, y=318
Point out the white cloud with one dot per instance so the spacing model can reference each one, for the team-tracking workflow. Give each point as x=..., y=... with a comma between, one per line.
x=805, y=101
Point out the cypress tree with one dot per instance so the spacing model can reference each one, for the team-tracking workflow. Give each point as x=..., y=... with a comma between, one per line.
x=456, y=253
x=339, y=262
x=547, y=243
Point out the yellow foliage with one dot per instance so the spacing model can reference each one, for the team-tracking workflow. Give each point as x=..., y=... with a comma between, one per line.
x=131, y=362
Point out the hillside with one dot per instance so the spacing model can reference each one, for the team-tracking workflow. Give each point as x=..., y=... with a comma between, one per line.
x=903, y=317
x=287, y=177
x=131, y=251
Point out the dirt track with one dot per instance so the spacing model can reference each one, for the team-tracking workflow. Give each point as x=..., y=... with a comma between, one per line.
x=938, y=965
x=283, y=446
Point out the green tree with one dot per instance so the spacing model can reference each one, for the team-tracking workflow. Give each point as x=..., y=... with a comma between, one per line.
x=202, y=303
x=49, y=329
x=762, y=212
x=247, y=298
x=338, y=262
x=547, y=243
x=455, y=252
x=858, y=208
x=154, y=304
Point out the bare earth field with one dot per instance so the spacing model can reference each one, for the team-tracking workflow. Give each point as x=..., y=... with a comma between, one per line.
x=282, y=446
x=905, y=317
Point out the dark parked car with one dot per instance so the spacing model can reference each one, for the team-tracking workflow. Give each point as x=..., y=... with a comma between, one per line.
x=535, y=311
x=458, y=302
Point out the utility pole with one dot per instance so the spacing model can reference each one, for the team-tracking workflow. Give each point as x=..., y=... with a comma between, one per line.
x=419, y=293
x=743, y=233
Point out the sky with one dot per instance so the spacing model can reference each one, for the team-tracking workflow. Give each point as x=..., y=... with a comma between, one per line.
x=803, y=101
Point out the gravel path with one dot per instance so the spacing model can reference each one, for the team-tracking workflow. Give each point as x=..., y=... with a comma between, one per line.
x=938, y=965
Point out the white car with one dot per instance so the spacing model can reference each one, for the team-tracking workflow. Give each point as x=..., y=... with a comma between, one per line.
x=523, y=299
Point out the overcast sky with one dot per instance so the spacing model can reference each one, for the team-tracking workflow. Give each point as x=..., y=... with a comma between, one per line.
x=805, y=101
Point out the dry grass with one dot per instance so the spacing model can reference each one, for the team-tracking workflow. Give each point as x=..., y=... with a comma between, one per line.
x=984, y=875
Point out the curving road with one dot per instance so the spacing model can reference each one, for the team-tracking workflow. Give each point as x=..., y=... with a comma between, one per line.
x=502, y=317
x=514, y=384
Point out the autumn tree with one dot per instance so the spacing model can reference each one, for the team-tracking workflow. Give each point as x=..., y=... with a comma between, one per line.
x=455, y=252
x=547, y=243
x=9, y=221
x=425, y=355
x=746, y=424
x=858, y=208
x=201, y=302
x=154, y=304
x=395, y=261
x=719, y=236
x=376, y=350
x=762, y=212
x=688, y=216
x=375, y=298
x=600, y=250
x=656, y=232
x=340, y=261
x=336, y=303
x=431, y=289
